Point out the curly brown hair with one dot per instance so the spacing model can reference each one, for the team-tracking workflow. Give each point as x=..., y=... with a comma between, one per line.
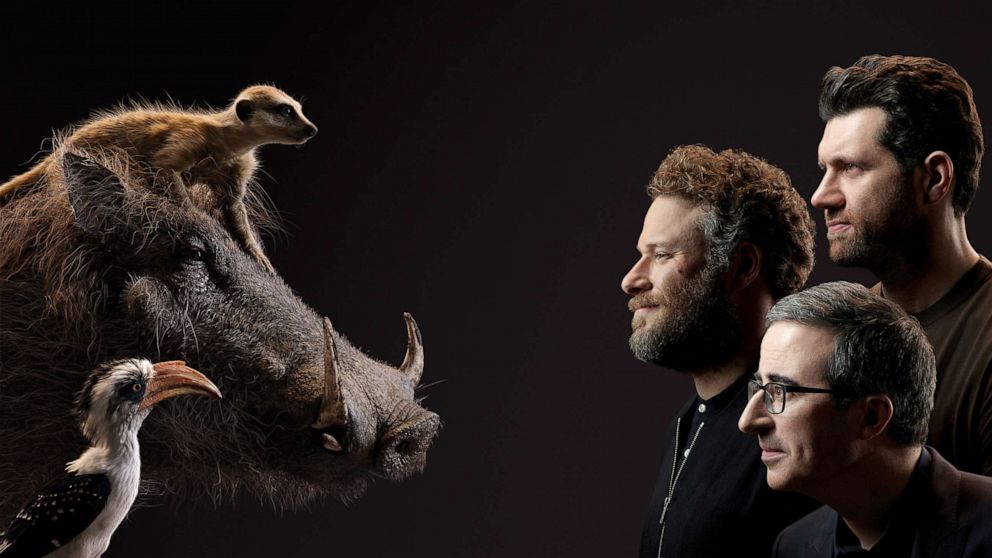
x=747, y=200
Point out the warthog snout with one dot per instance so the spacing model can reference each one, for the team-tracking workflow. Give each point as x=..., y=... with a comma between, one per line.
x=404, y=449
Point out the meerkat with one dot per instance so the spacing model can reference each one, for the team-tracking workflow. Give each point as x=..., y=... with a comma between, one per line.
x=212, y=148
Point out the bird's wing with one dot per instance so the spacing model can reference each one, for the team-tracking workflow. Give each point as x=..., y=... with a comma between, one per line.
x=62, y=510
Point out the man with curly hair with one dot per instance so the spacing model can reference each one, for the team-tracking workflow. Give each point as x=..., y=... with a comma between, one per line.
x=901, y=154
x=725, y=236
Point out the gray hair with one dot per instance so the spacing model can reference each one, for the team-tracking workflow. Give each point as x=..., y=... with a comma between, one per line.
x=724, y=228
x=878, y=348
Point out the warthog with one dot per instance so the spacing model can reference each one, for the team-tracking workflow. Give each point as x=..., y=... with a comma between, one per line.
x=96, y=264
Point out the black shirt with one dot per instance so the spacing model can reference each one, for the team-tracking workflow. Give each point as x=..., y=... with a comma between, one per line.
x=897, y=539
x=942, y=512
x=721, y=504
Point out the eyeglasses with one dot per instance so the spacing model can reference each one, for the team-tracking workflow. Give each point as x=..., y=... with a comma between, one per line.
x=775, y=393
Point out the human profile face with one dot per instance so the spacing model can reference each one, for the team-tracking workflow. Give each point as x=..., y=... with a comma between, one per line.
x=682, y=317
x=809, y=443
x=866, y=197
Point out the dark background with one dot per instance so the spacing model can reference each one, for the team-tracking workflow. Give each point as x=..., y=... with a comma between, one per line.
x=481, y=166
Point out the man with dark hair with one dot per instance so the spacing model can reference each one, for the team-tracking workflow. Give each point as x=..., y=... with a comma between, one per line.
x=726, y=235
x=901, y=154
x=840, y=405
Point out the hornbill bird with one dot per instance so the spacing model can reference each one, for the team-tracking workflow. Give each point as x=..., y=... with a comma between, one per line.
x=75, y=516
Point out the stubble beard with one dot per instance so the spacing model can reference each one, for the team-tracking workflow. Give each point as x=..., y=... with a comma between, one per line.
x=874, y=243
x=863, y=249
x=698, y=329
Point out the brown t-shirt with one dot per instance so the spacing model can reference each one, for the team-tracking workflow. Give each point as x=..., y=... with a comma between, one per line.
x=959, y=326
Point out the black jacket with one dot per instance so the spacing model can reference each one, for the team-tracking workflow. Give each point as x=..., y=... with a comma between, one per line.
x=721, y=505
x=949, y=514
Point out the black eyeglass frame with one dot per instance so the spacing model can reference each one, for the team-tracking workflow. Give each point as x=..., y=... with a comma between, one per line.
x=753, y=386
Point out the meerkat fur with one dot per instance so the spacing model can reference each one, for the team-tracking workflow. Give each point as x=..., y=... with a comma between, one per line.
x=212, y=148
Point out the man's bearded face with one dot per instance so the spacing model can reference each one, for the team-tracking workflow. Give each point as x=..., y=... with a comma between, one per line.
x=866, y=197
x=695, y=325
x=683, y=318
x=874, y=230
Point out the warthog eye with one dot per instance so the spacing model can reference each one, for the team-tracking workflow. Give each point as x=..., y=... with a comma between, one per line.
x=192, y=250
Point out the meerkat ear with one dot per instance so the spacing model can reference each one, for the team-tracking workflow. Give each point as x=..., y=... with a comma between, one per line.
x=244, y=109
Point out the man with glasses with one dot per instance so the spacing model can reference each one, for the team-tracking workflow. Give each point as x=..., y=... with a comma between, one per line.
x=841, y=404
x=725, y=236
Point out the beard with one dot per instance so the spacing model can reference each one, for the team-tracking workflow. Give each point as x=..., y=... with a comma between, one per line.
x=874, y=239
x=696, y=326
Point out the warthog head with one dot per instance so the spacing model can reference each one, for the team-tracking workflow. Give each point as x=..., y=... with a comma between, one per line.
x=98, y=264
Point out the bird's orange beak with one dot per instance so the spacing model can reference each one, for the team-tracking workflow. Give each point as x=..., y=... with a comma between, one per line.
x=174, y=378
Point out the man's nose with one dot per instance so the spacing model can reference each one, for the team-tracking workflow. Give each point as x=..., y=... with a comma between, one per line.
x=755, y=417
x=827, y=194
x=636, y=281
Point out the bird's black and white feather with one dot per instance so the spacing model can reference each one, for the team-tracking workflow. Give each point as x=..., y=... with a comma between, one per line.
x=76, y=516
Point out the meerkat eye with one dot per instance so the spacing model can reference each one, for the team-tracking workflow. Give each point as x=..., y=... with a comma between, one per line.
x=285, y=111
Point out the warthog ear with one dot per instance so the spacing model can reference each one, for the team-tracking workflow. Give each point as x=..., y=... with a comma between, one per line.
x=96, y=195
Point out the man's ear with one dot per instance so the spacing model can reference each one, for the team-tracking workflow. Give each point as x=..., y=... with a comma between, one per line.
x=873, y=414
x=938, y=173
x=745, y=266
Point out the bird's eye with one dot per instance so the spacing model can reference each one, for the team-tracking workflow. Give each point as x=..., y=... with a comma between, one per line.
x=285, y=111
x=131, y=391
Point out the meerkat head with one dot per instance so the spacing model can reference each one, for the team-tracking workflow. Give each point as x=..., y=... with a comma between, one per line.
x=272, y=115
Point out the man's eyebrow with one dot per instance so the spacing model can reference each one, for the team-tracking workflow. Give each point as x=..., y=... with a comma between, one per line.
x=780, y=379
x=659, y=245
x=838, y=160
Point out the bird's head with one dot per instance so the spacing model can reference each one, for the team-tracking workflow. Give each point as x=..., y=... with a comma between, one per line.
x=118, y=395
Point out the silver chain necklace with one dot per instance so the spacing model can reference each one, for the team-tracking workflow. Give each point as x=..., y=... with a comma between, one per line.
x=675, y=475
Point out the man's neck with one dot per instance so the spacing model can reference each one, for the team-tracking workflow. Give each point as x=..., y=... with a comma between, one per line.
x=917, y=280
x=752, y=306
x=864, y=495
x=712, y=381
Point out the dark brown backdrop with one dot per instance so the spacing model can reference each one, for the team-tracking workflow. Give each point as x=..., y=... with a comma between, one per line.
x=481, y=166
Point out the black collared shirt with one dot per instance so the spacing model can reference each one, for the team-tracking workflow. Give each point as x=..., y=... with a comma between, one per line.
x=897, y=539
x=721, y=504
